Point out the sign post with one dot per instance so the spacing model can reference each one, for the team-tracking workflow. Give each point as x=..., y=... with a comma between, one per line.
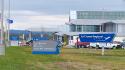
x=103, y=50
x=97, y=37
x=9, y=21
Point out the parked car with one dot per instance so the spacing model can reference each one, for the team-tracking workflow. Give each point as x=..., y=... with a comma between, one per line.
x=122, y=45
x=29, y=43
x=82, y=44
x=114, y=44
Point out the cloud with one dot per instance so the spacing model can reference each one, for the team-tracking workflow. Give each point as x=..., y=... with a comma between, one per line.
x=31, y=19
x=24, y=13
x=37, y=13
x=63, y=6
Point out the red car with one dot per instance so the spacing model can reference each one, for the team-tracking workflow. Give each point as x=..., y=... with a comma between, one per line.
x=82, y=44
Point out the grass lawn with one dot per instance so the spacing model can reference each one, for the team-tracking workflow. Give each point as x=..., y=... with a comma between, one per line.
x=21, y=58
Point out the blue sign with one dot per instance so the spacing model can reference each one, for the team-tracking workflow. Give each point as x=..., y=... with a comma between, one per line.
x=14, y=38
x=9, y=21
x=39, y=38
x=45, y=47
x=106, y=37
x=46, y=52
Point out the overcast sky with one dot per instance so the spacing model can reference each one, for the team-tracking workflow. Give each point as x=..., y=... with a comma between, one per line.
x=37, y=13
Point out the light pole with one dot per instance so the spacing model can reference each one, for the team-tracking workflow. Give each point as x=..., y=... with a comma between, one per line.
x=2, y=46
x=8, y=34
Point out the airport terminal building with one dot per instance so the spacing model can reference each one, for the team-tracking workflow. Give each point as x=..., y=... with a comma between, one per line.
x=96, y=21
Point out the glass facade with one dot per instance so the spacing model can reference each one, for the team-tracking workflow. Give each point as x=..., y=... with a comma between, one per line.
x=79, y=28
x=112, y=15
x=73, y=28
x=85, y=28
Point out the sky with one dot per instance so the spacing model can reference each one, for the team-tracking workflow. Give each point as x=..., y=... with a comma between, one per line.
x=44, y=13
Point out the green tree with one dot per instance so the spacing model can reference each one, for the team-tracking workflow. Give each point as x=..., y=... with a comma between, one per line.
x=65, y=38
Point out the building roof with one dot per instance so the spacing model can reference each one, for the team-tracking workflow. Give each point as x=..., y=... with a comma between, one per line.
x=77, y=33
x=94, y=21
x=27, y=32
x=19, y=32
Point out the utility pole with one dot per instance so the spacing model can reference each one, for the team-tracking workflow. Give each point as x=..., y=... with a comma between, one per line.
x=2, y=44
x=8, y=29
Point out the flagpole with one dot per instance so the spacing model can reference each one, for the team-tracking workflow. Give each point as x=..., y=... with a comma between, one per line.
x=2, y=46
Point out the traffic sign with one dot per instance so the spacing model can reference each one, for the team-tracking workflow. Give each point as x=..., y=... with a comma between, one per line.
x=104, y=37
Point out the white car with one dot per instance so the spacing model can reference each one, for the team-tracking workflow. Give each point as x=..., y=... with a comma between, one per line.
x=105, y=45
